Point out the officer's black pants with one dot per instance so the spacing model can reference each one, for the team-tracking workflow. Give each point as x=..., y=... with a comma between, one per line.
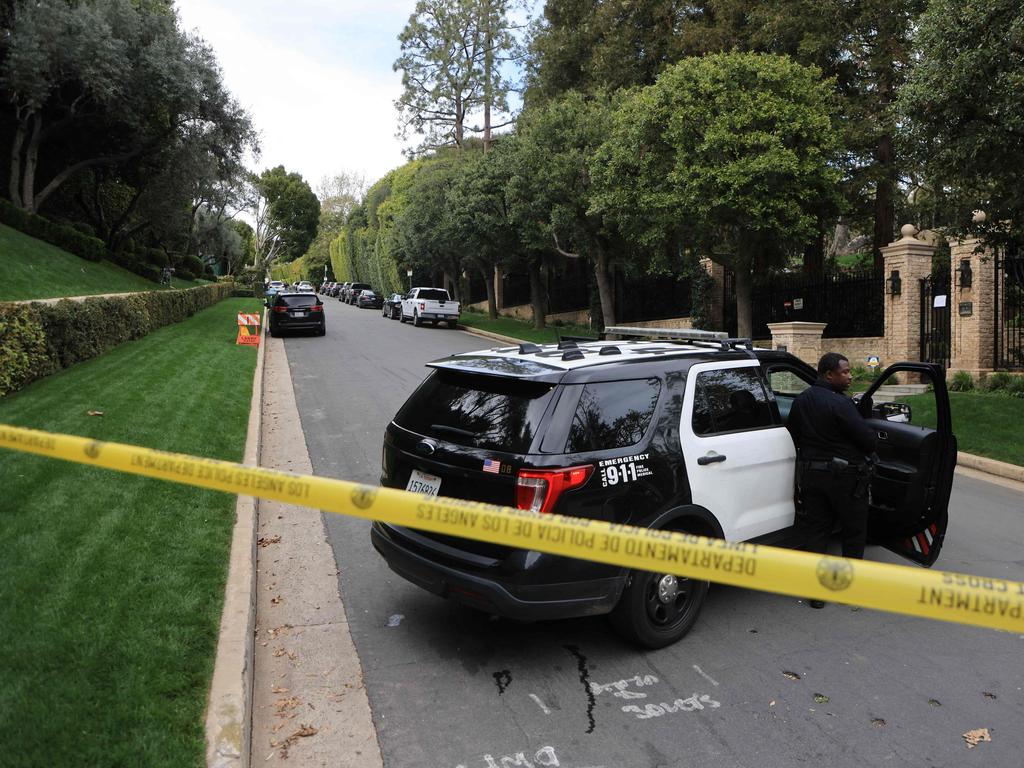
x=828, y=499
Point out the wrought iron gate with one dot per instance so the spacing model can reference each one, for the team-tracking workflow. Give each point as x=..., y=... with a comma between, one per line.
x=1009, y=329
x=935, y=319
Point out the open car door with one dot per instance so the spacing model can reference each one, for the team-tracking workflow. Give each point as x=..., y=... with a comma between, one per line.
x=917, y=455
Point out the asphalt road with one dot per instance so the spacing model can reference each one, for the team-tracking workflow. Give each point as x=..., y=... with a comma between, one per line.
x=780, y=684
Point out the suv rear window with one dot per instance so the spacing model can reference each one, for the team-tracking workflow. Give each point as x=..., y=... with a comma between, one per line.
x=433, y=294
x=481, y=411
x=612, y=414
x=298, y=300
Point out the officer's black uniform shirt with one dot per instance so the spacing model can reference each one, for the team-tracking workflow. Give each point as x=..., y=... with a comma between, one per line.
x=824, y=424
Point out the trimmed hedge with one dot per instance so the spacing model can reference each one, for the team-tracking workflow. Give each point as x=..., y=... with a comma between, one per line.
x=68, y=238
x=39, y=339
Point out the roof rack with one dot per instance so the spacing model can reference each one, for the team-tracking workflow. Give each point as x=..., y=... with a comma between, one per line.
x=683, y=335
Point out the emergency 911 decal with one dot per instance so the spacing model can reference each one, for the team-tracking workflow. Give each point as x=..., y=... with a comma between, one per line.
x=624, y=469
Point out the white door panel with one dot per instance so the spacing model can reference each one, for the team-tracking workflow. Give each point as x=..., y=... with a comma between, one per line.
x=750, y=492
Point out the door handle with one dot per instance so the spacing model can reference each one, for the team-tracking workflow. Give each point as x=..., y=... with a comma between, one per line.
x=711, y=458
x=883, y=435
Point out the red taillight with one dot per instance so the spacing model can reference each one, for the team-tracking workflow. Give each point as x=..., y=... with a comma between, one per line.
x=539, y=489
x=317, y=308
x=281, y=308
x=422, y=305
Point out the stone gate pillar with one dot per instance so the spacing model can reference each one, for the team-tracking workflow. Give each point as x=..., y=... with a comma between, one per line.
x=716, y=311
x=799, y=338
x=908, y=261
x=973, y=307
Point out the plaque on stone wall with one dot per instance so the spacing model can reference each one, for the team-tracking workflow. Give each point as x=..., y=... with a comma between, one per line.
x=966, y=308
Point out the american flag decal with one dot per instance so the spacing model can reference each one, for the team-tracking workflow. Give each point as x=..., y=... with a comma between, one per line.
x=492, y=466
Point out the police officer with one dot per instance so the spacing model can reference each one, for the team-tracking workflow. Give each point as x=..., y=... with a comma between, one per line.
x=834, y=450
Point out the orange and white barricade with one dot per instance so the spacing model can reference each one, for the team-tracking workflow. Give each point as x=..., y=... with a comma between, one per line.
x=248, y=320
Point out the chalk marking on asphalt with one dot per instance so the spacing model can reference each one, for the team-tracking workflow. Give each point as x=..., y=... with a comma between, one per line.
x=959, y=598
x=540, y=703
x=705, y=675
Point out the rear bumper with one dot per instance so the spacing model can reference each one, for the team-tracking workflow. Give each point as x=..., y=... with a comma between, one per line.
x=408, y=554
x=304, y=324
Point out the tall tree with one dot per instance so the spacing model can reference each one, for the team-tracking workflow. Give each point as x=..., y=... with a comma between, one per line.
x=730, y=153
x=451, y=62
x=964, y=114
x=286, y=214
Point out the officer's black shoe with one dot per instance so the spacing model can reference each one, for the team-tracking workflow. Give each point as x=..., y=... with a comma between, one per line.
x=816, y=603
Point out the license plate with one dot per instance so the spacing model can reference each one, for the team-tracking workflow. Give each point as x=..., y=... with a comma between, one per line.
x=299, y=314
x=421, y=482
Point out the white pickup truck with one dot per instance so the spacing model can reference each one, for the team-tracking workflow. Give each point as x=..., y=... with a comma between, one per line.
x=431, y=305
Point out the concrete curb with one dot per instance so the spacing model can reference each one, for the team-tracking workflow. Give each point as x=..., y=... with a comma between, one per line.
x=492, y=336
x=229, y=706
x=990, y=466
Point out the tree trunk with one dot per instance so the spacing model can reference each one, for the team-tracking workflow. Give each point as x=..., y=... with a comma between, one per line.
x=537, y=296
x=28, y=181
x=492, y=306
x=744, y=312
x=14, y=188
x=814, y=253
x=884, y=212
x=604, y=286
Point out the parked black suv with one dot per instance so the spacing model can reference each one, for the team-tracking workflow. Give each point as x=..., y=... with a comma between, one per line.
x=686, y=434
x=297, y=312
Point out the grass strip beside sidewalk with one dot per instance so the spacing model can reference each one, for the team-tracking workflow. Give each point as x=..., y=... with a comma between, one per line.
x=520, y=329
x=113, y=583
x=984, y=424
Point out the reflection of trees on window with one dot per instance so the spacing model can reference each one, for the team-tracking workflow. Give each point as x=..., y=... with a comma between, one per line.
x=728, y=400
x=613, y=414
x=480, y=411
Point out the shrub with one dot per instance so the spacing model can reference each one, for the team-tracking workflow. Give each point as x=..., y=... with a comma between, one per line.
x=1016, y=386
x=962, y=382
x=156, y=257
x=38, y=339
x=60, y=235
x=996, y=382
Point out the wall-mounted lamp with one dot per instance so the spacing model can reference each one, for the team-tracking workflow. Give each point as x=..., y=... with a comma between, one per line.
x=893, y=284
x=965, y=272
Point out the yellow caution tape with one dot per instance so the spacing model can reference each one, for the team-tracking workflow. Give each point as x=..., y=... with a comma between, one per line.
x=965, y=599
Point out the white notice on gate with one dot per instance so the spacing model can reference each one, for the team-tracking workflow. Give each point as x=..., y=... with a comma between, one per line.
x=938, y=301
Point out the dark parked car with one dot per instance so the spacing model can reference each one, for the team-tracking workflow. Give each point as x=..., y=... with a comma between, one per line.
x=392, y=306
x=684, y=434
x=369, y=299
x=353, y=291
x=297, y=312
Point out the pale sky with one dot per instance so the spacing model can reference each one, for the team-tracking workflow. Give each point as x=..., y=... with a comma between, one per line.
x=314, y=75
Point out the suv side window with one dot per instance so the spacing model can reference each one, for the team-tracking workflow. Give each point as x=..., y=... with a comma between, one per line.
x=785, y=385
x=612, y=414
x=730, y=400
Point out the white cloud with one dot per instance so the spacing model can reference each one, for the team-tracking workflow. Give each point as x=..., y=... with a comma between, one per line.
x=314, y=75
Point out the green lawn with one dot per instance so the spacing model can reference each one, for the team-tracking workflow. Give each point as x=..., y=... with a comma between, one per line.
x=32, y=269
x=519, y=329
x=985, y=425
x=112, y=583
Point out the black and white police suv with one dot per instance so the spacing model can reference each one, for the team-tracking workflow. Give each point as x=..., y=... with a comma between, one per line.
x=685, y=433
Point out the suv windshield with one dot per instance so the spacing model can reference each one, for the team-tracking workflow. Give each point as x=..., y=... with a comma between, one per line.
x=480, y=411
x=433, y=294
x=303, y=300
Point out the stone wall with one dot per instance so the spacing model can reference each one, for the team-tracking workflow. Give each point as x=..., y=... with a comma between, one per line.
x=579, y=317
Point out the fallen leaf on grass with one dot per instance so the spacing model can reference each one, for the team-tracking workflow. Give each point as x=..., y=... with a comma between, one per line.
x=790, y=675
x=266, y=541
x=975, y=737
x=94, y=413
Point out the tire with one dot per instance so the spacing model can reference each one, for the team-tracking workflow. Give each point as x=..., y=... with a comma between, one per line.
x=416, y=320
x=272, y=330
x=434, y=323
x=401, y=317
x=322, y=331
x=453, y=324
x=658, y=609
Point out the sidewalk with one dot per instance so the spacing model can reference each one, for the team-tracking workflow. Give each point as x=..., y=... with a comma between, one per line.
x=309, y=704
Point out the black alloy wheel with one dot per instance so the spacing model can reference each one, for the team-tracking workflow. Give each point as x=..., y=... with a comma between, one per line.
x=658, y=609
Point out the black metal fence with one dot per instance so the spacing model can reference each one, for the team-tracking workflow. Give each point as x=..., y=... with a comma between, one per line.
x=850, y=303
x=651, y=297
x=1009, y=314
x=935, y=319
